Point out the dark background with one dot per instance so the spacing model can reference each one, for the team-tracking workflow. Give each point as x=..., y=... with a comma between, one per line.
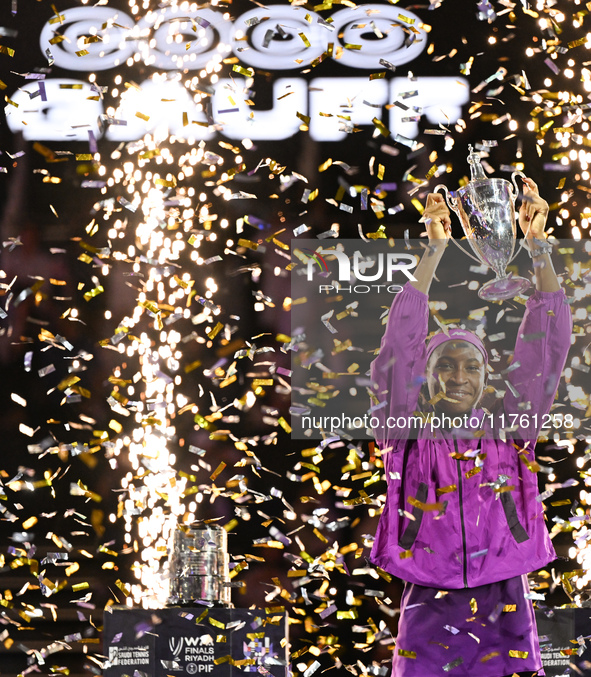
x=326, y=523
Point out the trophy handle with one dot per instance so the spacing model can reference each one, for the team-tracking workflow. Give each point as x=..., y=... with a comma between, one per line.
x=522, y=175
x=451, y=203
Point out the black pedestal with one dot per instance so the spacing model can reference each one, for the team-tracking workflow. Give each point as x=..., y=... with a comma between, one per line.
x=556, y=629
x=195, y=641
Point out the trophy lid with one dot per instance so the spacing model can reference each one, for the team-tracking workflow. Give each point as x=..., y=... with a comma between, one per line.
x=476, y=169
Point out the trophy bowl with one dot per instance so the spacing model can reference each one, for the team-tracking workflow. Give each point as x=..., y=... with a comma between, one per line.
x=486, y=209
x=199, y=568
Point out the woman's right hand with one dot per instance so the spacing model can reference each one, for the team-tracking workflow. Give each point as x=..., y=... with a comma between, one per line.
x=436, y=218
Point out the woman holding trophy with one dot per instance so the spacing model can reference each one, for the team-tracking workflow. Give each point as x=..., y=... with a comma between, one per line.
x=461, y=524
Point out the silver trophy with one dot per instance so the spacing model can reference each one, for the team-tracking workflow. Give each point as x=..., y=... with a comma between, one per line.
x=199, y=568
x=486, y=209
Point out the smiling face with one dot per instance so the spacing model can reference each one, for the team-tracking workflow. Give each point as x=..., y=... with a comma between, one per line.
x=457, y=368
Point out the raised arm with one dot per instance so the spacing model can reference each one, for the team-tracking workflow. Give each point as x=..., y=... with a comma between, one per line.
x=438, y=225
x=540, y=354
x=398, y=370
x=533, y=215
x=544, y=335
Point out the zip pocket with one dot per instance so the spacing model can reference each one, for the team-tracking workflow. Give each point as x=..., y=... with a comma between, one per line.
x=515, y=526
x=409, y=535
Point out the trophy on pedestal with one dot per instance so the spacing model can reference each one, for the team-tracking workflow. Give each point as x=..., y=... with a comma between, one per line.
x=486, y=209
x=199, y=569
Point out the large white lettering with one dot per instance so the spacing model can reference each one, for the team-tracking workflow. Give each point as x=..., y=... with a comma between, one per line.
x=200, y=642
x=439, y=99
x=278, y=37
x=171, y=38
x=242, y=121
x=164, y=102
x=67, y=111
x=101, y=31
x=341, y=104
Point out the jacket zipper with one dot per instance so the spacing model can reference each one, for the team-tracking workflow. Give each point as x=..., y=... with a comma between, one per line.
x=461, y=499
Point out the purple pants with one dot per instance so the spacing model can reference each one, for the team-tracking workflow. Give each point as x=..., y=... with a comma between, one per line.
x=489, y=631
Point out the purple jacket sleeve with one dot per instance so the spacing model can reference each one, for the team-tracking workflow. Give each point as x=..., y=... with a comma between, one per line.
x=540, y=354
x=397, y=372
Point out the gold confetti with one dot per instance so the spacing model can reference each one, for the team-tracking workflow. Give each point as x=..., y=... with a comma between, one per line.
x=284, y=424
x=166, y=183
x=431, y=172
x=214, y=331
x=247, y=72
x=304, y=39
x=419, y=207
x=214, y=475
x=381, y=127
x=222, y=659
x=492, y=654
x=28, y=523
x=68, y=382
x=426, y=507
x=248, y=243
x=93, y=292
x=446, y=490
x=115, y=425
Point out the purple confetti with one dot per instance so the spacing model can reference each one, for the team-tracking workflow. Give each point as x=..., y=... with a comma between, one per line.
x=92, y=142
x=552, y=66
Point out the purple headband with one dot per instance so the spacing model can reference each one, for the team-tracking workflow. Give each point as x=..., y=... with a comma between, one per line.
x=457, y=335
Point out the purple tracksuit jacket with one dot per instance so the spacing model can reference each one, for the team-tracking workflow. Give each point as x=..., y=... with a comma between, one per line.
x=492, y=527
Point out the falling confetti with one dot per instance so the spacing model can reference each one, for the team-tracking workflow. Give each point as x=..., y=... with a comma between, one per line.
x=154, y=352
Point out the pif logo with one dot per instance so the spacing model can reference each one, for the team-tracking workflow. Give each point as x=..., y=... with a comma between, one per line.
x=380, y=267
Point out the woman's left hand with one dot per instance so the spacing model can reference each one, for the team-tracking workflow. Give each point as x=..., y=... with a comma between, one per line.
x=533, y=212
